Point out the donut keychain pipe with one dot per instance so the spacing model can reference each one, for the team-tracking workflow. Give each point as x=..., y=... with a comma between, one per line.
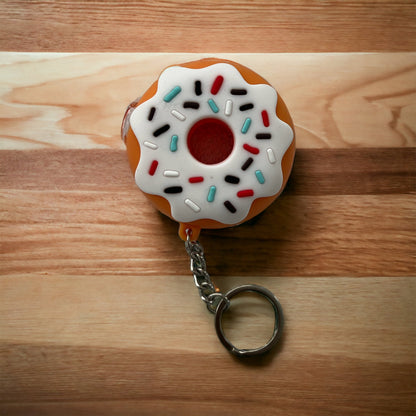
x=211, y=145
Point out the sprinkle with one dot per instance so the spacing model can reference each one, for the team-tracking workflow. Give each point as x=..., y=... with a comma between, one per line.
x=151, y=113
x=217, y=84
x=245, y=193
x=171, y=173
x=228, y=108
x=246, y=107
x=191, y=204
x=198, y=89
x=211, y=194
x=230, y=207
x=191, y=104
x=260, y=177
x=196, y=179
x=173, y=190
x=232, y=179
x=178, y=115
x=251, y=149
x=172, y=94
x=238, y=91
x=161, y=130
x=213, y=106
x=265, y=118
x=246, y=125
x=247, y=163
x=263, y=136
x=151, y=145
x=271, y=155
x=153, y=167
x=174, y=143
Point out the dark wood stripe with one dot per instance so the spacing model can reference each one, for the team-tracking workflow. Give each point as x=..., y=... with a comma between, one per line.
x=353, y=171
x=316, y=171
x=339, y=204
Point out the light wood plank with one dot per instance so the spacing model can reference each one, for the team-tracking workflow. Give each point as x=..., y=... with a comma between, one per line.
x=73, y=341
x=210, y=25
x=78, y=101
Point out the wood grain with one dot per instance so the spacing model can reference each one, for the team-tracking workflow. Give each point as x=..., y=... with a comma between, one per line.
x=70, y=202
x=78, y=100
x=99, y=314
x=105, y=345
x=211, y=25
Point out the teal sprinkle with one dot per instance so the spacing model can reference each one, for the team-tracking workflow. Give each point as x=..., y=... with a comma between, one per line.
x=172, y=94
x=260, y=177
x=174, y=143
x=211, y=194
x=246, y=125
x=213, y=106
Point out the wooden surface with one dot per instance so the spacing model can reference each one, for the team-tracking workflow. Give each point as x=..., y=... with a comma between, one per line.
x=98, y=311
x=209, y=25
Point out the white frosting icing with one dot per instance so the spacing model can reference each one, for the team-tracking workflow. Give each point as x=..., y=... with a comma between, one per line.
x=175, y=164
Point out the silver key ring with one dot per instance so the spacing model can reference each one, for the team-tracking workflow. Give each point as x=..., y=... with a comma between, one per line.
x=224, y=305
x=219, y=303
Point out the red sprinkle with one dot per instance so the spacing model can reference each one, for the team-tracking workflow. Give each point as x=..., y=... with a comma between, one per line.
x=251, y=149
x=196, y=179
x=245, y=193
x=265, y=118
x=153, y=167
x=217, y=84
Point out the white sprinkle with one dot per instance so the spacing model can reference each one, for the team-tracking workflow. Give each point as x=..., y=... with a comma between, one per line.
x=228, y=108
x=178, y=115
x=271, y=156
x=151, y=145
x=192, y=205
x=171, y=173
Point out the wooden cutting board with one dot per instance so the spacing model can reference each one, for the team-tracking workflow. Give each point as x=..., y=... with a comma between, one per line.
x=99, y=314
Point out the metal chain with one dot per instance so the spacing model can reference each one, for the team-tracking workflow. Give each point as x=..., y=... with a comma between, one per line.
x=218, y=303
x=207, y=291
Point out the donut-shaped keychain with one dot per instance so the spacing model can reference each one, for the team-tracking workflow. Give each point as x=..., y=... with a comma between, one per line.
x=211, y=144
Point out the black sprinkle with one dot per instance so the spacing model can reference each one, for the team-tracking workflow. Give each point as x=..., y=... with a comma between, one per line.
x=230, y=207
x=173, y=190
x=198, y=88
x=232, y=179
x=246, y=107
x=191, y=104
x=151, y=113
x=238, y=91
x=247, y=163
x=263, y=136
x=161, y=130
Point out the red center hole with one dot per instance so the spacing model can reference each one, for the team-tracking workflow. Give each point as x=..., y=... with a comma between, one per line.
x=210, y=141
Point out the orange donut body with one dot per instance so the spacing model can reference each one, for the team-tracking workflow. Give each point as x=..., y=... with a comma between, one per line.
x=259, y=204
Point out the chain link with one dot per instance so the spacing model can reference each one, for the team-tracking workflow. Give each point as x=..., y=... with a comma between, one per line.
x=207, y=291
x=218, y=303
